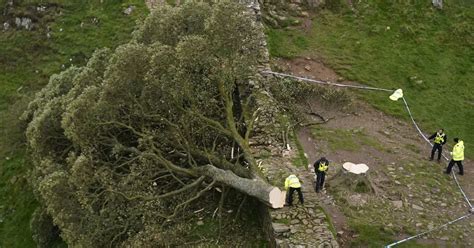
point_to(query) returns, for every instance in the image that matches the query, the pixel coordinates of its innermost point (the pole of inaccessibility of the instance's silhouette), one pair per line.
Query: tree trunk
(346, 178)
(257, 187)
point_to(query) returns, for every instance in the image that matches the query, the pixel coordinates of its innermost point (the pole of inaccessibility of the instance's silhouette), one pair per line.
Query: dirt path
(394, 144)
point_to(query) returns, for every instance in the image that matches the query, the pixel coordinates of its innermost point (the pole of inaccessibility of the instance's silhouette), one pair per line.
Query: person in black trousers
(293, 184)
(320, 168)
(457, 157)
(440, 139)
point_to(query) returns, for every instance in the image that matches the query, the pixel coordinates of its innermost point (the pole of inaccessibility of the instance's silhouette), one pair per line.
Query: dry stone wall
(303, 225)
(282, 13)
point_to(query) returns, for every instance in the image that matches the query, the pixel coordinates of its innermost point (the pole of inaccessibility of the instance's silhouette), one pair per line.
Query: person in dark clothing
(440, 139)
(320, 168)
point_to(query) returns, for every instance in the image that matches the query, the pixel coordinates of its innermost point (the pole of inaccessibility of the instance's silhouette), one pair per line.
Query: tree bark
(256, 187)
(359, 183)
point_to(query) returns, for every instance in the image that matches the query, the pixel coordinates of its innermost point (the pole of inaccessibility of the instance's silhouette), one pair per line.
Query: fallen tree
(127, 142)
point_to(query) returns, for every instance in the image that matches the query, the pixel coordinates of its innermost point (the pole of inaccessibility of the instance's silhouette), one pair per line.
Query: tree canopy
(126, 142)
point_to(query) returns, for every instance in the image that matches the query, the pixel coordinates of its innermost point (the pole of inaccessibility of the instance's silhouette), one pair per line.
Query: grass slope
(27, 59)
(427, 52)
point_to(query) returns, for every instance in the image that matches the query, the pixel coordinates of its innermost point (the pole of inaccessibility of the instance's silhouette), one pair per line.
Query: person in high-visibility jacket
(320, 168)
(293, 184)
(439, 139)
(457, 157)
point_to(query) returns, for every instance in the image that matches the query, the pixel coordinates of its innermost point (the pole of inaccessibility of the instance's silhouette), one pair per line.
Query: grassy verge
(347, 140)
(329, 220)
(301, 160)
(17, 203)
(27, 59)
(427, 52)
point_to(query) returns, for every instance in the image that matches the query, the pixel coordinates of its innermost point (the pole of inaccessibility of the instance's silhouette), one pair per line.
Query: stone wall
(303, 225)
(282, 13)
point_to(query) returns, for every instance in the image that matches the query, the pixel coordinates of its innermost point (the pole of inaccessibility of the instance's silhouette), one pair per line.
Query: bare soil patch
(399, 169)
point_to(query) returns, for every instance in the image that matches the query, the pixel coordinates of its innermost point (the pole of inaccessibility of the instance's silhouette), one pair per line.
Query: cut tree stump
(354, 177)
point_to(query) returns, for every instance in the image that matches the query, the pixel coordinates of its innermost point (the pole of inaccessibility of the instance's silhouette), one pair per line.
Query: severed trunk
(257, 187)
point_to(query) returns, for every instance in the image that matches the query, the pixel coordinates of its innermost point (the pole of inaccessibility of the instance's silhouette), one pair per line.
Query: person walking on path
(293, 184)
(320, 168)
(440, 139)
(457, 157)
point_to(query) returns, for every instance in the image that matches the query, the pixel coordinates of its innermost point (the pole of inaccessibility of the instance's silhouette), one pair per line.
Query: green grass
(16, 203)
(27, 59)
(337, 139)
(301, 160)
(370, 235)
(348, 140)
(395, 45)
(413, 148)
(329, 221)
(283, 221)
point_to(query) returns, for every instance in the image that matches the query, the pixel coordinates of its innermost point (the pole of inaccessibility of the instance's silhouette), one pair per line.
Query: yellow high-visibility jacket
(458, 151)
(293, 182)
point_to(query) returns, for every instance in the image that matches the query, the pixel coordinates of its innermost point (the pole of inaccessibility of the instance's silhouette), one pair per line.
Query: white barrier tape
(326, 82)
(459, 185)
(462, 191)
(426, 232)
(417, 128)
(414, 122)
(379, 89)
(445, 157)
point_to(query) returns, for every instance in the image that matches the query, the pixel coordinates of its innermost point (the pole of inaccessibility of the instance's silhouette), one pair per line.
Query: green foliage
(392, 44)
(43, 229)
(118, 144)
(27, 59)
(291, 91)
(301, 160)
(292, 95)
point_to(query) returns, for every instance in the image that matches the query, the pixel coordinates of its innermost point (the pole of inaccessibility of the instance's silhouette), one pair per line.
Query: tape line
(417, 128)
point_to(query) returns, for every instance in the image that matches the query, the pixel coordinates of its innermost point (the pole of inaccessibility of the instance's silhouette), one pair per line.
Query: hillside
(61, 33)
(42, 39)
(427, 52)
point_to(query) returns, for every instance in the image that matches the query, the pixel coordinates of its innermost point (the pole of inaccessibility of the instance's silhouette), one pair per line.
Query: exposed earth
(411, 193)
